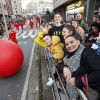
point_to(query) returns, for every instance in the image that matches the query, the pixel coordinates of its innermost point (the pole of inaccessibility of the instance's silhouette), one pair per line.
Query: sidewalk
(37, 89)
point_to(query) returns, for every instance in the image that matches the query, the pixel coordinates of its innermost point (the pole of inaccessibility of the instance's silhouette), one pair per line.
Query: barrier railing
(50, 67)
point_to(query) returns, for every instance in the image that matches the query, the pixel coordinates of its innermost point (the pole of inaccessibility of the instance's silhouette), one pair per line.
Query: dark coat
(90, 65)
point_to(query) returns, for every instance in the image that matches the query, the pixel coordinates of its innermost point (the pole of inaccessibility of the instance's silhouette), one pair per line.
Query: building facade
(9, 8)
(45, 5)
(3, 8)
(70, 8)
(16, 7)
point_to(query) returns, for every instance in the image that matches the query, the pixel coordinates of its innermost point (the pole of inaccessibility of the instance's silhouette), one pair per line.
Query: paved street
(12, 88)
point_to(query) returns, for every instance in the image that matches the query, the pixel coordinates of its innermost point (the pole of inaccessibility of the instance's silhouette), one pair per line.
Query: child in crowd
(12, 36)
(49, 26)
(55, 46)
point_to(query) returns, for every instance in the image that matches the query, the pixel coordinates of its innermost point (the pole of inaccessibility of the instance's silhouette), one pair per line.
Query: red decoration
(11, 58)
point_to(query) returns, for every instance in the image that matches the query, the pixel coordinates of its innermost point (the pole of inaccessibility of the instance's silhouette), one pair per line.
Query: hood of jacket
(55, 40)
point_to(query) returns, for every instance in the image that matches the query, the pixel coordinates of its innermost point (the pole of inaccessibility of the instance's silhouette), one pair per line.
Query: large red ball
(11, 58)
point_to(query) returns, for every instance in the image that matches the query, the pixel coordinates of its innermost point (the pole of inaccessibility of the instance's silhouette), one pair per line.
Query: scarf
(73, 62)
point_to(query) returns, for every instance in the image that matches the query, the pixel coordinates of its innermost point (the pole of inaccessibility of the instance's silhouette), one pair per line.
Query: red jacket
(22, 24)
(31, 23)
(15, 24)
(12, 36)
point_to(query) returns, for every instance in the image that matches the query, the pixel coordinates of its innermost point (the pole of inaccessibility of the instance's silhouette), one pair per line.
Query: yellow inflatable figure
(39, 40)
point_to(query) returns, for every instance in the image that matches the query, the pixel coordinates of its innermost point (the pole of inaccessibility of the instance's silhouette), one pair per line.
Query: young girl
(79, 30)
(55, 46)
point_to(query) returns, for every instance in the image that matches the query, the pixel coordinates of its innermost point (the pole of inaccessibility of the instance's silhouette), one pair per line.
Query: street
(12, 88)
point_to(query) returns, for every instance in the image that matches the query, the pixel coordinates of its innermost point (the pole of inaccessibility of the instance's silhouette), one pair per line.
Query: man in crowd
(58, 27)
(82, 23)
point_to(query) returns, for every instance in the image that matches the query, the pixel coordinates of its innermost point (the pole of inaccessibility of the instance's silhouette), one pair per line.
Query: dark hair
(57, 13)
(95, 24)
(50, 25)
(76, 36)
(42, 25)
(70, 28)
(46, 35)
(76, 22)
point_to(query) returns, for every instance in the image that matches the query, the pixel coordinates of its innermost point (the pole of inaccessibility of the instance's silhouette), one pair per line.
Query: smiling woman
(24, 3)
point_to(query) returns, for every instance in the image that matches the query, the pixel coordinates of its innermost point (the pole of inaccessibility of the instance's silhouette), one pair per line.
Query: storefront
(74, 8)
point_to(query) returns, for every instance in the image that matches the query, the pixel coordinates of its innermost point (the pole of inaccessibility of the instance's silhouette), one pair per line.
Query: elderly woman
(78, 62)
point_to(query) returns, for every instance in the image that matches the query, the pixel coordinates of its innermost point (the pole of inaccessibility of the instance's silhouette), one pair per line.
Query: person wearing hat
(12, 36)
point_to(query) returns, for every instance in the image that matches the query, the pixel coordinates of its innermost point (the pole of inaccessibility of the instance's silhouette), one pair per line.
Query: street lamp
(4, 19)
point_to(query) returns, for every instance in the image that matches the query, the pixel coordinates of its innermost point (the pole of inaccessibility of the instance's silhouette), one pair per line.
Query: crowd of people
(76, 47)
(15, 26)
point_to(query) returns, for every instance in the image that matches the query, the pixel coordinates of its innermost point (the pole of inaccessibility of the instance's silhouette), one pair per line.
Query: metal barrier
(50, 67)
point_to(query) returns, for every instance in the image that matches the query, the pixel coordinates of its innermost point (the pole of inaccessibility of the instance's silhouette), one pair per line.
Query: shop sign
(75, 5)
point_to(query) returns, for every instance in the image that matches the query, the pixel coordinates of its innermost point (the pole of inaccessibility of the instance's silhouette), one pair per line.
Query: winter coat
(12, 36)
(80, 31)
(39, 39)
(56, 48)
(31, 24)
(22, 24)
(83, 25)
(90, 65)
(98, 38)
(92, 34)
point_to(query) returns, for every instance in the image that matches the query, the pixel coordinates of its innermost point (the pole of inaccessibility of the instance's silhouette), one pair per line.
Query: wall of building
(88, 9)
(44, 5)
(57, 3)
(16, 6)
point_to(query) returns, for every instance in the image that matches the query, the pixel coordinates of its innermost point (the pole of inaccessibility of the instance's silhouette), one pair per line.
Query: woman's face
(74, 24)
(47, 40)
(94, 29)
(71, 44)
(66, 32)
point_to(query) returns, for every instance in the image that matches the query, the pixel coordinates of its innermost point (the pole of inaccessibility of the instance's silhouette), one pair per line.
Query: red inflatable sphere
(11, 58)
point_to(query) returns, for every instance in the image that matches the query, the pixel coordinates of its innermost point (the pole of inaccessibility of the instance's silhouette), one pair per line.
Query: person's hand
(67, 73)
(91, 38)
(94, 38)
(71, 81)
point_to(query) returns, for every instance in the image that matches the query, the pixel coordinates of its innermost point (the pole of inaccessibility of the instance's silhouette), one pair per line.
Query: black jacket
(90, 65)
(57, 31)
